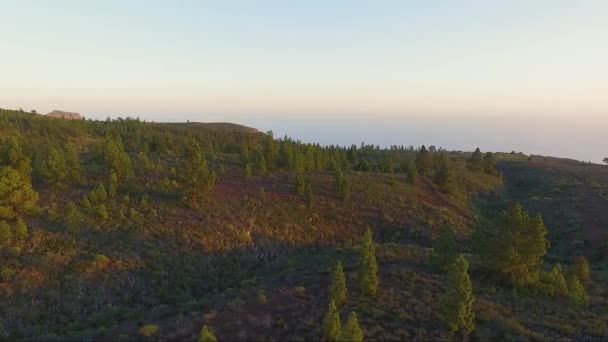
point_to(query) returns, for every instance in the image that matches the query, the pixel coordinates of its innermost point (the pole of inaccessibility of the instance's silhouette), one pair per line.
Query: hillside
(149, 231)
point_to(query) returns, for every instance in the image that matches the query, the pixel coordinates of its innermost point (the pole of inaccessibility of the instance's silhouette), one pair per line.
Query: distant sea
(575, 138)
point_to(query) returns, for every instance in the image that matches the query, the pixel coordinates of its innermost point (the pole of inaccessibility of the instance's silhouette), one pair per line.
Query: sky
(529, 76)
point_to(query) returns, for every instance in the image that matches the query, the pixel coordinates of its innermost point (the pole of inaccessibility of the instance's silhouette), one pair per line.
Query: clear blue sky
(292, 61)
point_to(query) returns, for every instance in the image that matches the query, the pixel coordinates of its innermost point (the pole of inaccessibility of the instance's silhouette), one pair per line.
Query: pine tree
(199, 181)
(351, 332)
(513, 245)
(262, 168)
(21, 231)
(57, 168)
(423, 160)
(368, 267)
(308, 196)
(457, 301)
(207, 335)
(116, 159)
(577, 292)
(262, 193)
(412, 173)
(489, 164)
(16, 194)
(475, 162)
(113, 185)
(11, 154)
(6, 234)
(444, 249)
(343, 185)
(554, 283)
(332, 327)
(338, 291)
(581, 269)
(300, 184)
(248, 173)
(99, 194)
(73, 163)
(72, 218)
(444, 177)
(102, 211)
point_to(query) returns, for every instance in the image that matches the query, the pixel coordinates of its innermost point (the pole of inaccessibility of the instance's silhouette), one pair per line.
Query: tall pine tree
(368, 266)
(457, 301)
(331, 323)
(513, 245)
(351, 331)
(338, 291)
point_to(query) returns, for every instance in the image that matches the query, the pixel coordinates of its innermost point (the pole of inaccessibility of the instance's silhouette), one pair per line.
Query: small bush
(149, 330)
(261, 298)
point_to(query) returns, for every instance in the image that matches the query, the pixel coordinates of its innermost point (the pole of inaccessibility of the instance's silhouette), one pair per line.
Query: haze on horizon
(517, 75)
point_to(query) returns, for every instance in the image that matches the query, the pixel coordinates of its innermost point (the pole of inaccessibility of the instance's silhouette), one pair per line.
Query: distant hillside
(224, 126)
(64, 115)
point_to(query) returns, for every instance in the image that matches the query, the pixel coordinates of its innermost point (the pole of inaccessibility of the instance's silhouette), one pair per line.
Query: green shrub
(261, 297)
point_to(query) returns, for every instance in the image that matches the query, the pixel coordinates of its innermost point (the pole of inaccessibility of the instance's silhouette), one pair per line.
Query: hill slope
(175, 226)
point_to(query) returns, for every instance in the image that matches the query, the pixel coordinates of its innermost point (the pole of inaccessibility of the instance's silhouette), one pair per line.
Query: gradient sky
(288, 65)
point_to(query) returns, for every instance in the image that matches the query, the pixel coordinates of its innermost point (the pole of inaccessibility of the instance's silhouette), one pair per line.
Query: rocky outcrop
(64, 115)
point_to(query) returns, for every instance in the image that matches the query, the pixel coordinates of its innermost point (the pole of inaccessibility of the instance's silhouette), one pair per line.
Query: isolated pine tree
(207, 335)
(351, 332)
(581, 269)
(444, 249)
(331, 323)
(513, 245)
(308, 196)
(457, 302)
(338, 291)
(368, 266)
